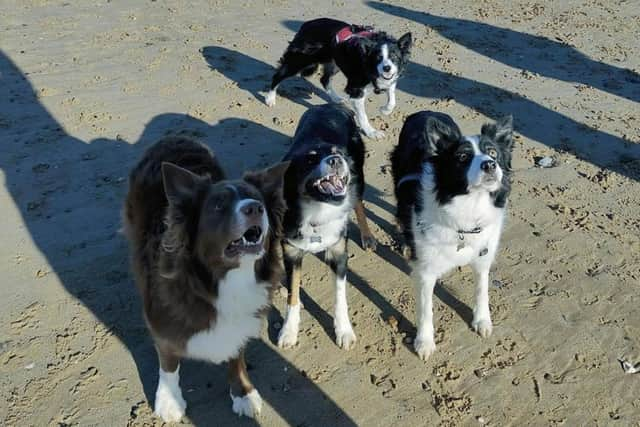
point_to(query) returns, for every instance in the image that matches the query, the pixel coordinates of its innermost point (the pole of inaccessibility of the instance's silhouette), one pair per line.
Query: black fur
(357, 57)
(321, 129)
(435, 138)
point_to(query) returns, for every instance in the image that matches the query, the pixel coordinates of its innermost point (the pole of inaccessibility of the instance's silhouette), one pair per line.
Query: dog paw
(169, 406)
(374, 134)
(288, 337)
(369, 243)
(424, 347)
(248, 405)
(386, 109)
(336, 99)
(270, 98)
(345, 338)
(483, 327)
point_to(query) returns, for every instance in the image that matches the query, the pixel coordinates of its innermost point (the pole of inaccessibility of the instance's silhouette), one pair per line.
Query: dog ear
(404, 43)
(269, 181)
(180, 184)
(501, 131)
(440, 135)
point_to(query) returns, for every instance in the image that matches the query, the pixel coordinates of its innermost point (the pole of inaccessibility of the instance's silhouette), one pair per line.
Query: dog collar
(407, 178)
(475, 230)
(426, 169)
(345, 34)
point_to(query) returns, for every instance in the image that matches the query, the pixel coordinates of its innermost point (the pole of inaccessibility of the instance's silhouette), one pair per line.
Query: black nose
(252, 209)
(488, 166)
(386, 68)
(334, 161)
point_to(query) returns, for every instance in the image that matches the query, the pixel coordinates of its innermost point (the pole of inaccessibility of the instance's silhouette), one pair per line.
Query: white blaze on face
(386, 68)
(476, 177)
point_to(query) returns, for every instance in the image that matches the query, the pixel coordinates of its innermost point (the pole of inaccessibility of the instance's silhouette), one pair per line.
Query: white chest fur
(322, 225)
(239, 298)
(436, 229)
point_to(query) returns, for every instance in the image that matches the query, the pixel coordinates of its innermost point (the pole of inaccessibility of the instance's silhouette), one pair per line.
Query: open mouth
(249, 242)
(331, 185)
(391, 76)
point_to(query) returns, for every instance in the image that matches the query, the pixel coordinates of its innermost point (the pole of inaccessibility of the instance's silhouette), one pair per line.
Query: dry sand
(85, 86)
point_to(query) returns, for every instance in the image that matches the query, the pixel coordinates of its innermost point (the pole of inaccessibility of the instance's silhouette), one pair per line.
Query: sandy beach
(87, 86)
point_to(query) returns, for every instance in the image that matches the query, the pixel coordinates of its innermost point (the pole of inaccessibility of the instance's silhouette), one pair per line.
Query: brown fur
(177, 228)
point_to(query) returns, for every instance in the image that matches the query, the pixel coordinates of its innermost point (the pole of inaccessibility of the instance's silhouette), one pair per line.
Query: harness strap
(345, 34)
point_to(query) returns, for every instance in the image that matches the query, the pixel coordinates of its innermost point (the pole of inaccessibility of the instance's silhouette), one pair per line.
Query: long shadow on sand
(531, 119)
(538, 54)
(254, 76)
(69, 193)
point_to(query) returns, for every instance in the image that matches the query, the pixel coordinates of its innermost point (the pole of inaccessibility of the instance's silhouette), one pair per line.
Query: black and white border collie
(324, 182)
(370, 60)
(452, 193)
(204, 252)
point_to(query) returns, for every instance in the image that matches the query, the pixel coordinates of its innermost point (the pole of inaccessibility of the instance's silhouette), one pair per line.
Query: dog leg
(391, 101)
(246, 399)
(481, 314)
(169, 404)
(329, 70)
(368, 241)
(363, 121)
(288, 336)
(337, 257)
(425, 343)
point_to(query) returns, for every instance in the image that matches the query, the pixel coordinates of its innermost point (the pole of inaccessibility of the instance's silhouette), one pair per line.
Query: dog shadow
(538, 54)
(254, 76)
(533, 120)
(69, 193)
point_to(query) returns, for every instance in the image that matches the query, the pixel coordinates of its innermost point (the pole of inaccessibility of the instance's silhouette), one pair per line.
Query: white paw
(345, 337)
(337, 99)
(482, 326)
(424, 347)
(169, 405)
(248, 405)
(288, 336)
(374, 133)
(270, 98)
(387, 109)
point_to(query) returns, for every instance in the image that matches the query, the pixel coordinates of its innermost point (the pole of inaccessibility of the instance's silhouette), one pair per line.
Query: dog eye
(463, 157)
(492, 152)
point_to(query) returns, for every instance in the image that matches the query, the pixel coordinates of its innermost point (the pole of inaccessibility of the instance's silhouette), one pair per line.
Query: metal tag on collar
(315, 239)
(461, 242)
(484, 251)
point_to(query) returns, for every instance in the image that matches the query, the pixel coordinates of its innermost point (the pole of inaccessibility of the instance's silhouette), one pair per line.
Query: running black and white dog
(370, 60)
(324, 182)
(452, 193)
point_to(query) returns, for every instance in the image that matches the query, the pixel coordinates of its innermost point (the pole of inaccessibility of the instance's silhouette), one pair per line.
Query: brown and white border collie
(203, 251)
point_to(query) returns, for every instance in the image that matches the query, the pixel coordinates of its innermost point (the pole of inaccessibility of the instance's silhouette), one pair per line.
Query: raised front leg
(425, 343)
(288, 336)
(363, 120)
(481, 314)
(368, 241)
(391, 101)
(337, 257)
(357, 95)
(246, 399)
(169, 404)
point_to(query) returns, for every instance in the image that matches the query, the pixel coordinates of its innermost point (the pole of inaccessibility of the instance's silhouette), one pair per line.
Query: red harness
(345, 34)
